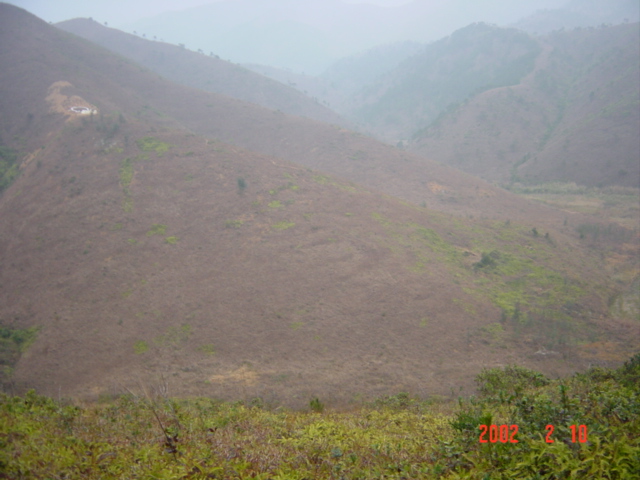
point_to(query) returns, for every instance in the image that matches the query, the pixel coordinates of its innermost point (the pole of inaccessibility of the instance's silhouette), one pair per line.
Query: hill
(338, 83)
(412, 95)
(580, 13)
(203, 71)
(575, 117)
(134, 249)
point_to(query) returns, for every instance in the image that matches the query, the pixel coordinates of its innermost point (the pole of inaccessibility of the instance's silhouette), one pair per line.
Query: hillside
(338, 83)
(202, 70)
(134, 249)
(328, 148)
(575, 118)
(414, 94)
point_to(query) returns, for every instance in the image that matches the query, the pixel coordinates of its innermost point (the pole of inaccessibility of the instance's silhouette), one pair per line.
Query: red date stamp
(507, 433)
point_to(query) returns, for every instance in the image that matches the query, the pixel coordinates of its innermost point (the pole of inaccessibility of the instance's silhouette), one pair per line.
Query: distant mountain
(475, 58)
(336, 86)
(202, 70)
(145, 248)
(581, 13)
(575, 118)
(307, 37)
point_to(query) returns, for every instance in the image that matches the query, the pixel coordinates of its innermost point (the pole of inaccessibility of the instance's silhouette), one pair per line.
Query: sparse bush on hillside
(316, 405)
(8, 167)
(242, 185)
(610, 232)
(488, 260)
(13, 342)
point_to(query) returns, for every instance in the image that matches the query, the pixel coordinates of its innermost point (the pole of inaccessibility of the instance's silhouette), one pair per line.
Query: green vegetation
(157, 229)
(151, 144)
(233, 223)
(517, 272)
(614, 203)
(126, 173)
(242, 184)
(207, 349)
(126, 176)
(605, 402)
(13, 343)
(140, 347)
(8, 167)
(282, 225)
(174, 336)
(586, 426)
(488, 260)
(171, 240)
(275, 204)
(288, 186)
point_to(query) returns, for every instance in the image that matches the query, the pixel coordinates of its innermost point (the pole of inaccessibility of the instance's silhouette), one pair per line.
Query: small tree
(241, 185)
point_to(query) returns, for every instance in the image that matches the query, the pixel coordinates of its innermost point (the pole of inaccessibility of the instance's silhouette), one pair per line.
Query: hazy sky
(125, 11)
(314, 37)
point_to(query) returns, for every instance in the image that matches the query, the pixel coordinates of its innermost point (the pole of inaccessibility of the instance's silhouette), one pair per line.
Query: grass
(207, 349)
(126, 173)
(140, 347)
(284, 225)
(614, 203)
(233, 223)
(174, 336)
(151, 144)
(519, 273)
(157, 229)
(396, 437)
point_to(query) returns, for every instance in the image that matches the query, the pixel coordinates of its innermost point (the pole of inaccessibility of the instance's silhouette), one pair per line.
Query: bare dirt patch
(69, 105)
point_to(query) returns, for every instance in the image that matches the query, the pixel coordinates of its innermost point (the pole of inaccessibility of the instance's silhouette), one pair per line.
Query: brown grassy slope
(303, 141)
(575, 118)
(298, 285)
(201, 71)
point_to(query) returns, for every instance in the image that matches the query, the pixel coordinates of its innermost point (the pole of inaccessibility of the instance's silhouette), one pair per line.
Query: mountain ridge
(206, 72)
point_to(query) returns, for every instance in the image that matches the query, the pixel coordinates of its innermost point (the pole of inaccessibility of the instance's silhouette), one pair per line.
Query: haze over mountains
(206, 72)
(574, 117)
(308, 36)
(229, 250)
(524, 101)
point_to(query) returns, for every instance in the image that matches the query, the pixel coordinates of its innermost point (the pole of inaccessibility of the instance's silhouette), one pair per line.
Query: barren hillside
(145, 252)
